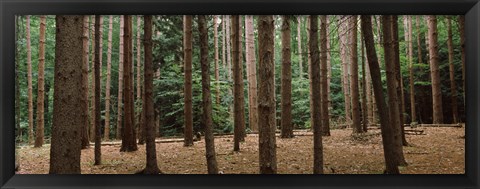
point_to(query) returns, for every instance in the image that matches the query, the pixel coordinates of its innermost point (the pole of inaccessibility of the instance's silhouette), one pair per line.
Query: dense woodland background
(344, 70)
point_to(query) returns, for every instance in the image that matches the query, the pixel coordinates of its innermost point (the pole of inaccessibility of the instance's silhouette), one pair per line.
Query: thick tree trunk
(109, 70)
(239, 108)
(315, 72)
(299, 41)
(399, 78)
(128, 135)
(85, 68)
(251, 73)
(68, 109)
(453, 85)
(30, 88)
(266, 96)
(187, 58)
(356, 125)
(120, 81)
(434, 70)
(98, 126)
(386, 127)
(324, 77)
(286, 122)
(41, 85)
(206, 98)
(217, 72)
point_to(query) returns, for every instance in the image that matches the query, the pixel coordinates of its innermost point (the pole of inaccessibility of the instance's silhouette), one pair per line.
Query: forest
(240, 94)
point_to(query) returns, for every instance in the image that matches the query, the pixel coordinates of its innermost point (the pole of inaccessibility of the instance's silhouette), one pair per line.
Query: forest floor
(440, 150)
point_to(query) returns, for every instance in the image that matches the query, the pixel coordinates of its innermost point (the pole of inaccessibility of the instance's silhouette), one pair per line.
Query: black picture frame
(10, 8)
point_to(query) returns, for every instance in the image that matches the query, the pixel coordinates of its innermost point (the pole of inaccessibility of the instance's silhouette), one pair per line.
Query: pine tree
(286, 118)
(187, 50)
(39, 134)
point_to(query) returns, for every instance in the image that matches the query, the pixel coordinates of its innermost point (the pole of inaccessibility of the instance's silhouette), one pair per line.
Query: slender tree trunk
(434, 70)
(128, 135)
(92, 82)
(239, 107)
(364, 92)
(137, 105)
(120, 81)
(419, 56)
(394, 109)
(309, 57)
(98, 126)
(206, 98)
(343, 31)
(217, 72)
(187, 50)
(286, 118)
(251, 73)
(324, 76)
(315, 72)
(107, 90)
(369, 92)
(139, 50)
(461, 23)
(224, 33)
(399, 78)
(228, 43)
(151, 165)
(356, 125)
(386, 127)
(410, 60)
(101, 57)
(85, 67)
(30, 88)
(329, 71)
(41, 85)
(453, 86)
(68, 118)
(266, 96)
(18, 133)
(299, 41)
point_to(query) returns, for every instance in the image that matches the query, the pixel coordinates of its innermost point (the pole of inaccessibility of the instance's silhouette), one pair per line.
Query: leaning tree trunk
(266, 96)
(324, 77)
(98, 126)
(286, 122)
(30, 88)
(68, 118)
(435, 70)
(251, 73)
(120, 81)
(453, 86)
(187, 58)
(385, 126)
(107, 90)
(356, 125)
(85, 67)
(41, 85)
(239, 107)
(206, 98)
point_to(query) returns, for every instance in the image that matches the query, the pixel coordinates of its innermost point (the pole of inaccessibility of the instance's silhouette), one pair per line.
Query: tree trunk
(98, 126)
(343, 54)
(364, 92)
(138, 111)
(224, 36)
(128, 136)
(315, 72)
(30, 88)
(206, 99)
(85, 67)
(251, 73)
(187, 50)
(434, 70)
(120, 80)
(100, 56)
(299, 41)
(239, 107)
(107, 90)
(266, 96)
(217, 72)
(18, 133)
(324, 76)
(386, 127)
(41, 85)
(92, 83)
(461, 23)
(286, 122)
(228, 43)
(410, 60)
(139, 50)
(329, 71)
(356, 125)
(392, 84)
(453, 86)
(68, 118)
(399, 78)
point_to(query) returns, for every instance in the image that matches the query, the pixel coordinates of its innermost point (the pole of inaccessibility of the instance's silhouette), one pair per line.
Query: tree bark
(299, 41)
(453, 85)
(39, 134)
(92, 82)
(85, 68)
(356, 125)
(364, 92)
(239, 107)
(109, 70)
(68, 118)
(410, 60)
(399, 78)
(434, 70)
(251, 73)
(30, 88)
(120, 80)
(228, 43)
(98, 126)
(266, 96)
(187, 50)
(286, 118)
(217, 72)
(386, 127)
(206, 98)
(139, 50)
(343, 31)
(324, 76)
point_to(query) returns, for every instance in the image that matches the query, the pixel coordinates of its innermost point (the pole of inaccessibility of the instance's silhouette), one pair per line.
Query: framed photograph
(239, 94)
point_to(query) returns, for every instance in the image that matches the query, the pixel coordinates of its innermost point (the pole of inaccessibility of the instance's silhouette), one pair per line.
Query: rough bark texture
(453, 85)
(266, 96)
(329, 72)
(92, 82)
(120, 81)
(217, 71)
(386, 127)
(41, 85)
(324, 76)
(413, 113)
(343, 31)
(128, 136)
(356, 122)
(98, 126)
(435, 70)
(239, 107)
(299, 41)
(85, 141)
(228, 46)
(392, 84)
(139, 65)
(109, 70)
(151, 166)
(364, 92)
(30, 89)
(68, 112)
(251, 73)
(398, 76)
(187, 58)
(286, 118)
(206, 98)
